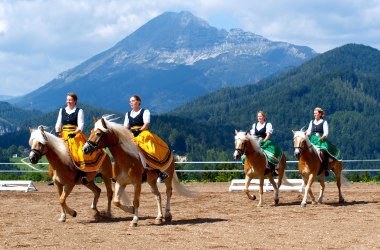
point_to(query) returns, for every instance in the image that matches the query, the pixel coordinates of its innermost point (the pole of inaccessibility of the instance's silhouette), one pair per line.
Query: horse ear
(30, 130)
(293, 131)
(95, 119)
(236, 132)
(246, 132)
(104, 123)
(41, 128)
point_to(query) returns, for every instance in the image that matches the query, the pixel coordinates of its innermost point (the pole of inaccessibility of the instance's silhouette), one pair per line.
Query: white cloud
(40, 39)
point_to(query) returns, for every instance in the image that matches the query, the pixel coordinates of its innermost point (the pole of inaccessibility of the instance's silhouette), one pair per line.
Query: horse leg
(261, 191)
(275, 189)
(63, 193)
(169, 192)
(248, 179)
(136, 204)
(119, 191)
(281, 171)
(108, 184)
(96, 191)
(308, 182)
(63, 212)
(157, 195)
(338, 174)
(321, 178)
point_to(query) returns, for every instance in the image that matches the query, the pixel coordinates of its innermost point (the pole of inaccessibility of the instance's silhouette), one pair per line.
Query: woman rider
(264, 130)
(69, 126)
(318, 131)
(156, 152)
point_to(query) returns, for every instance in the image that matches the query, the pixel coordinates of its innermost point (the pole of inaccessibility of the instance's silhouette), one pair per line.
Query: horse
(309, 164)
(129, 169)
(256, 164)
(64, 173)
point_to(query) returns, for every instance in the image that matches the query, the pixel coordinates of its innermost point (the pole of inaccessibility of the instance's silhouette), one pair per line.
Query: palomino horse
(309, 165)
(255, 165)
(64, 173)
(128, 168)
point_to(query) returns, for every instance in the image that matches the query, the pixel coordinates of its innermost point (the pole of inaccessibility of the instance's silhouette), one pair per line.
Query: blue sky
(40, 39)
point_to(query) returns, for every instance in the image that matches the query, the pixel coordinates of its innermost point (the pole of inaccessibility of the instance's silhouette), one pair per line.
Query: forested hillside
(344, 82)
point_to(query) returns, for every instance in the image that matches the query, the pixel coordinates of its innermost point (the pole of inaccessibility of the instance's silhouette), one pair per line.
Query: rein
(94, 146)
(39, 152)
(301, 149)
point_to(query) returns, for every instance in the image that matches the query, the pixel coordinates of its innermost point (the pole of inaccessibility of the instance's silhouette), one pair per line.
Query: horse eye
(98, 134)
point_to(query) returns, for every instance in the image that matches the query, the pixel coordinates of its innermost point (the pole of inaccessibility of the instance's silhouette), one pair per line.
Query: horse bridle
(241, 150)
(39, 152)
(95, 145)
(301, 146)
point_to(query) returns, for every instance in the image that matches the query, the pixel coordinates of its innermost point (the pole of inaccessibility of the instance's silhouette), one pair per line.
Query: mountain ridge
(172, 59)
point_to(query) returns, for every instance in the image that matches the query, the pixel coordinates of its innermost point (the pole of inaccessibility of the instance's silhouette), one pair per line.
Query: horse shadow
(349, 203)
(332, 203)
(175, 222)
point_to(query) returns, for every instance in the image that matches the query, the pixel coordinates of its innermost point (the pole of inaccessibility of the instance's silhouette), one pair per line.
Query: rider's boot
(161, 176)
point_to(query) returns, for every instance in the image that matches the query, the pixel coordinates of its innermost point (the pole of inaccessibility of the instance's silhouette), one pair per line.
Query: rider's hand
(58, 134)
(261, 142)
(72, 135)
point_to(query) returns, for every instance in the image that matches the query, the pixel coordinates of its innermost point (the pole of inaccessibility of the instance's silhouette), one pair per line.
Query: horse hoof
(303, 204)
(133, 224)
(276, 201)
(342, 201)
(158, 221)
(314, 203)
(168, 218)
(106, 214)
(252, 197)
(75, 214)
(62, 219)
(259, 205)
(98, 216)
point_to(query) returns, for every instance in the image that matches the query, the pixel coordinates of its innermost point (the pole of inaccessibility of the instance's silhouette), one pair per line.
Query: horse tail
(343, 180)
(180, 188)
(284, 181)
(124, 195)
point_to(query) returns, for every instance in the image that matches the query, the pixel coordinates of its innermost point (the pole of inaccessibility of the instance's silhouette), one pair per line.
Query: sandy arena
(216, 219)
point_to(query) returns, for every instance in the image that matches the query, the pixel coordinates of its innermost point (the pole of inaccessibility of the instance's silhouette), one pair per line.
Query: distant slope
(10, 117)
(169, 61)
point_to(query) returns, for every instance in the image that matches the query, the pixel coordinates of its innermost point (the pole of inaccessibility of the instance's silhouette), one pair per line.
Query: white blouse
(146, 116)
(269, 128)
(80, 120)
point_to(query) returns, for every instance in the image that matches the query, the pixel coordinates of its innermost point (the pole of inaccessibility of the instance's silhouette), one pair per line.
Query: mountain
(344, 82)
(169, 61)
(10, 117)
(6, 97)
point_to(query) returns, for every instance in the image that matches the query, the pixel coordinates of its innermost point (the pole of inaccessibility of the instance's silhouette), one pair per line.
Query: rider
(318, 131)
(69, 126)
(156, 152)
(264, 130)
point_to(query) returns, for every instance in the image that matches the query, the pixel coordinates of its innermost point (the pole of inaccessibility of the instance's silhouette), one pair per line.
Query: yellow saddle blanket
(154, 150)
(85, 163)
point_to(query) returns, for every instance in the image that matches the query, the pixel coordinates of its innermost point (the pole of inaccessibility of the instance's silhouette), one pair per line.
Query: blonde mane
(124, 135)
(56, 144)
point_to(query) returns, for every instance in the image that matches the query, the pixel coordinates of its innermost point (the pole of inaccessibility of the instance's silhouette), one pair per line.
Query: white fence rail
(36, 170)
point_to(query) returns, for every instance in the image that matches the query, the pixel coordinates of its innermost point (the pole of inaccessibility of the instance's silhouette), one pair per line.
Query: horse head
(37, 142)
(241, 140)
(299, 142)
(97, 138)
